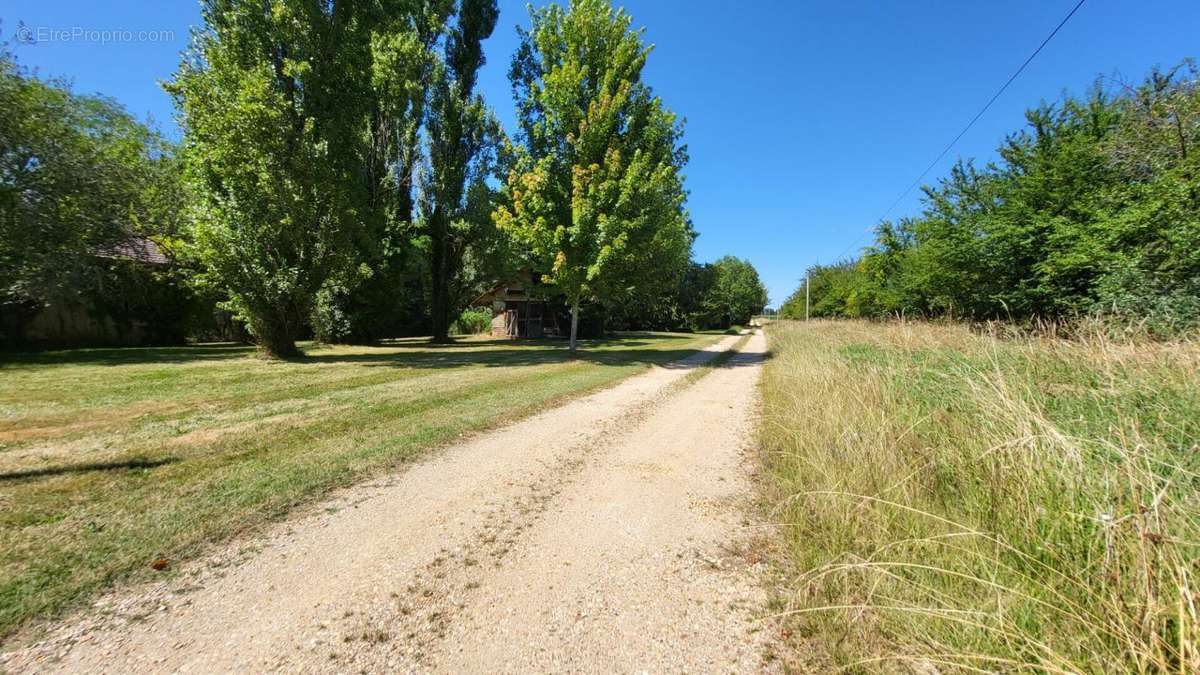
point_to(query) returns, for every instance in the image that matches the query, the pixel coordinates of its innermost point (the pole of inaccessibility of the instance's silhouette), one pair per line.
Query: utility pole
(806, 295)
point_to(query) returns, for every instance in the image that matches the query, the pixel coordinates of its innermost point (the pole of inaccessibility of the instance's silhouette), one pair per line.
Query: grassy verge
(950, 501)
(113, 458)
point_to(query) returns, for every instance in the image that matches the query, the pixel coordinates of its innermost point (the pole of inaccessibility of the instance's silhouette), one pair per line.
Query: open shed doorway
(524, 319)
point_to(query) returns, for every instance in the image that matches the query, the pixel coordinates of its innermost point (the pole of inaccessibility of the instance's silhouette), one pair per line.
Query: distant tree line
(1094, 208)
(720, 294)
(339, 177)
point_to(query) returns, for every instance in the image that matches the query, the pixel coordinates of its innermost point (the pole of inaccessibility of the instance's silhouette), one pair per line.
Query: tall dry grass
(952, 501)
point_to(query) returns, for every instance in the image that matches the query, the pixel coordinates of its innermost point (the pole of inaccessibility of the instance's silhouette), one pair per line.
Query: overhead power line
(970, 124)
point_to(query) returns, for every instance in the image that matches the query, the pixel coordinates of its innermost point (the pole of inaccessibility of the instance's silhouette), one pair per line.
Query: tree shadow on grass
(624, 350)
(623, 338)
(118, 356)
(123, 465)
(617, 350)
(529, 355)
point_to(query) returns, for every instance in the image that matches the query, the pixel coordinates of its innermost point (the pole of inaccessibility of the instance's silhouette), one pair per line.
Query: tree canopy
(595, 192)
(294, 116)
(738, 294)
(463, 138)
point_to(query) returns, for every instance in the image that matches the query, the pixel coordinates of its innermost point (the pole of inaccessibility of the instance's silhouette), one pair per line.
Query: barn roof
(136, 247)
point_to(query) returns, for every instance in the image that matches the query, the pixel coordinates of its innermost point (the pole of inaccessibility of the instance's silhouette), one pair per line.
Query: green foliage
(466, 251)
(677, 308)
(833, 291)
(294, 123)
(385, 298)
(705, 296)
(695, 309)
(384, 293)
(473, 321)
(595, 191)
(80, 177)
(1095, 208)
(738, 294)
(335, 179)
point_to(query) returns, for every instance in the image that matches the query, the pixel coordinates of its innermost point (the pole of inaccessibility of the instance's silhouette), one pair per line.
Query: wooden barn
(520, 309)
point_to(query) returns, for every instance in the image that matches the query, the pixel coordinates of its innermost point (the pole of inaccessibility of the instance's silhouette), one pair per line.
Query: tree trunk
(275, 338)
(439, 310)
(574, 324)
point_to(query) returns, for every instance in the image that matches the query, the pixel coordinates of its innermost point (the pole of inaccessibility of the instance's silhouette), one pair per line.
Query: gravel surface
(609, 534)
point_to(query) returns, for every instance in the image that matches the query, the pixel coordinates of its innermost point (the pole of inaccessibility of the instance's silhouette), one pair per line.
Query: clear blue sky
(805, 120)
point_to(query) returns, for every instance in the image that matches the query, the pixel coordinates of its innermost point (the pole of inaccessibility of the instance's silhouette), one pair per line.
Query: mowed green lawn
(113, 458)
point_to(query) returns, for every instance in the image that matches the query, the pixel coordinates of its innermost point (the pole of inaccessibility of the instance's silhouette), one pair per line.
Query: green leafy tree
(737, 294)
(884, 288)
(831, 292)
(464, 246)
(697, 284)
(79, 177)
(384, 294)
(290, 115)
(595, 191)
(1153, 219)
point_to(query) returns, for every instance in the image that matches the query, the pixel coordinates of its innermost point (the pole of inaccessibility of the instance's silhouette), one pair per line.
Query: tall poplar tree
(595, 191)
(462, 133)
(283, 110)
(383, 295)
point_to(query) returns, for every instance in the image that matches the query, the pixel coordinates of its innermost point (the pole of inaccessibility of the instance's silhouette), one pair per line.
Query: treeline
(1093, 209)
(341, 178)
(720, 294)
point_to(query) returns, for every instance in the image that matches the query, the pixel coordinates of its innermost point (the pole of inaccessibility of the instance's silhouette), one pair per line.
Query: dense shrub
(1093, 209)
(706, 296)
(472, 321)
(387, 302)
